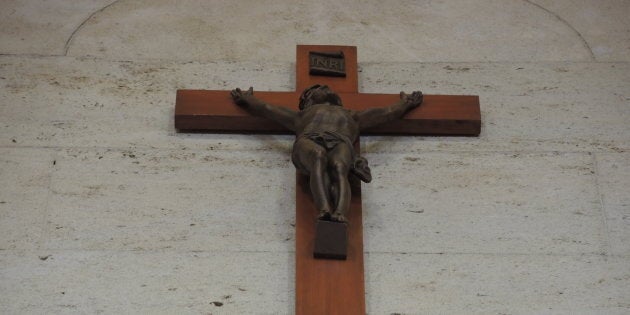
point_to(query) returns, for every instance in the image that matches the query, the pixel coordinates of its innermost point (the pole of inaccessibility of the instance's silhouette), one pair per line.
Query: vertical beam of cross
(325, 286)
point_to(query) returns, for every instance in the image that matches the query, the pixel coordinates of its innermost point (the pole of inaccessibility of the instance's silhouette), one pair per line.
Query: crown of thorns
(306, 95)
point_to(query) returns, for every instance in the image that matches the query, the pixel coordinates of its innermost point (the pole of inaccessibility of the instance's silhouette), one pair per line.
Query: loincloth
(329, 140)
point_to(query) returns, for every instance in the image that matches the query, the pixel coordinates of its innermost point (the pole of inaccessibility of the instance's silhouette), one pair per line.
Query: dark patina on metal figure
(323, 148)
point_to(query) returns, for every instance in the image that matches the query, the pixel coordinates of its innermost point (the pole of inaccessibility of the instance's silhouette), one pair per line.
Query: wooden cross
(327, 286)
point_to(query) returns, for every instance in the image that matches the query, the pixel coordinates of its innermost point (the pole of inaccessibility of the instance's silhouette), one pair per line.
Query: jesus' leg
(330, 197)
(339, 161)
(312, 157)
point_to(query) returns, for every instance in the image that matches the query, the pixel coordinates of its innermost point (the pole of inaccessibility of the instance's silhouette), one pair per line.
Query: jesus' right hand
(240, 97)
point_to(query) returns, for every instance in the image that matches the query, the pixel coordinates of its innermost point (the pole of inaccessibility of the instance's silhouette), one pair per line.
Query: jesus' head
(319, 94)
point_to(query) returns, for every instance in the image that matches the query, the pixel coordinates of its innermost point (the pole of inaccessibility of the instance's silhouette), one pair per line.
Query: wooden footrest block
(331, 240)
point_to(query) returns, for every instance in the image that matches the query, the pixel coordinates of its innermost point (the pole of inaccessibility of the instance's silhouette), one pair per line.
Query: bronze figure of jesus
(323, 148)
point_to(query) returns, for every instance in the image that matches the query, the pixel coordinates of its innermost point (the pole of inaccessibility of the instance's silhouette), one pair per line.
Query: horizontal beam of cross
(214, 111)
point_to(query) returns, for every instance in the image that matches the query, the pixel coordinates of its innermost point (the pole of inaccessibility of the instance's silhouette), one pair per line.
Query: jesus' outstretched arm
(281, 115)
(379, 115)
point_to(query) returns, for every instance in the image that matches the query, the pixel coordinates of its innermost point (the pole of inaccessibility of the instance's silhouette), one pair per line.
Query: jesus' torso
(327, 118)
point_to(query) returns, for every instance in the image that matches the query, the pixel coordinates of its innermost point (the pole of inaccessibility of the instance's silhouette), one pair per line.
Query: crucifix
(328, 286)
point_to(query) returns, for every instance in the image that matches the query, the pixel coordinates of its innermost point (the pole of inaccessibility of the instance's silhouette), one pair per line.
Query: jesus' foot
(338, 217)
(324, 215)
